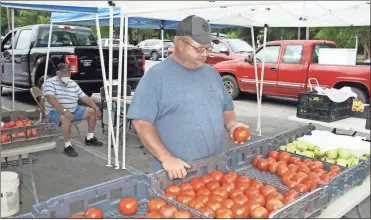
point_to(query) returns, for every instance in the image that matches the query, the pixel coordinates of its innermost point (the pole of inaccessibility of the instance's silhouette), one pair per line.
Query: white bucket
(9, 193)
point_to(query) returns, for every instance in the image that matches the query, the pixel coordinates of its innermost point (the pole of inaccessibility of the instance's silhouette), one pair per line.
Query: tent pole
(125, 90)
(48, 51)
(162, 39)
(256, 73)
(13, 67)
(262, 73)
(307, 33)
(298, 33)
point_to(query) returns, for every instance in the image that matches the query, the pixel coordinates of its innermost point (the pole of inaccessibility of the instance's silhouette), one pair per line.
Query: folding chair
(39, 98)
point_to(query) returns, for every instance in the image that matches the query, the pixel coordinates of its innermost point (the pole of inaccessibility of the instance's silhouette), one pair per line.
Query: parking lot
(57, 174)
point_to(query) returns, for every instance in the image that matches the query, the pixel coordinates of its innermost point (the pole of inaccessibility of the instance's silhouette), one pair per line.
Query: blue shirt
(186, 107)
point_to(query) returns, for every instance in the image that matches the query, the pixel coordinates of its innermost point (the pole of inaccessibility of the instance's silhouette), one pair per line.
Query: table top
(350, 124)
(342, 205)
(28, 149)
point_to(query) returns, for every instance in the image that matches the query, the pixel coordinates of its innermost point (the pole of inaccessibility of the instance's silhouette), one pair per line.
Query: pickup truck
(75, 46)
(227, 49)
(288, 66)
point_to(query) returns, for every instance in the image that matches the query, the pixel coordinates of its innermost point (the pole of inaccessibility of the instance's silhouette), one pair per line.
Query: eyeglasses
(200, 49)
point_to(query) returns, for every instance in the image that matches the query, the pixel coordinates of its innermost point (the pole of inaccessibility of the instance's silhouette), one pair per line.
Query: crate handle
(310, 85)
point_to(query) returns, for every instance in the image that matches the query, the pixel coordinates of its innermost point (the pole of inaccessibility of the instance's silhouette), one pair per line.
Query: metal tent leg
(33, 181)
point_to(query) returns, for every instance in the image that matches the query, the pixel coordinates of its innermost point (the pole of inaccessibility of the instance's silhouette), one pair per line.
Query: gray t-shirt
(186, 107)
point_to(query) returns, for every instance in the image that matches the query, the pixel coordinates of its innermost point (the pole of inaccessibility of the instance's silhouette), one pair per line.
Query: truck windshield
(62, 37)
(239, 46)
(315, 50)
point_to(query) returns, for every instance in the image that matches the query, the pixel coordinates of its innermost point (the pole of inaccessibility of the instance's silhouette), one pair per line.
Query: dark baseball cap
(63, 67)
(196, 28)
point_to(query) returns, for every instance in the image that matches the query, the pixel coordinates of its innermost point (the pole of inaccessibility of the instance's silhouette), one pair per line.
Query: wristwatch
(64, 110)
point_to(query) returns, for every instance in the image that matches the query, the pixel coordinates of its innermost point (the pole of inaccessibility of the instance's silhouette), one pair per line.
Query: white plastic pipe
(256, 74)
(48, 52)
(13, 67)
(125, 91)
(262, 74)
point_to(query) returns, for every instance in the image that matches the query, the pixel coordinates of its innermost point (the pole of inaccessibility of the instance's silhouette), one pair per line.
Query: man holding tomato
(181, 108)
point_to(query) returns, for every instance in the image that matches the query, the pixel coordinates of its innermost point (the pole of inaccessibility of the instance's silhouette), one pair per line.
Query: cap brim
(205, 39)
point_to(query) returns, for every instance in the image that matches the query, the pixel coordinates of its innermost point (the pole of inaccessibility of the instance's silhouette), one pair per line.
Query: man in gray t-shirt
(181, 108)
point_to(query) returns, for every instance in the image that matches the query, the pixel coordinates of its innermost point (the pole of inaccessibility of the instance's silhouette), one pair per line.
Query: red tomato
(240, 199)
(222, 210)
(258, 198)
(206, 178)
(94, 213)
(251, 205)
(239, 211)
(184, 198)
(335, 168)
(262, 165)
(288, 200)
(229, 186)
(221, 192)
(331, 174)
(216, 175)
(197, 183)
(241, 134)
(242, 186)
(281, 162)
(128, 206)
(300, 177)
(182, 214)
(206, 211)
(270, 160)
(307, 161)
(5, 138)
(274, 195)
(167, 211)
(289, 183)
(257, 184)
(294, 160)
(293, 167)
(319, 172)
(190, 192)
(229, 178)
(259, 212)
(284, 156)
(218, 198)
(18, 124)
(11, 124)
(291, 194)
(251, 190)
(33, 133)
(325, 178)
(77, 216)
(214, 205)
(282, 169)
(228, 203)
(273, 167)
(225, 215)
(313, 166)
(196, 204)
(153, 215)
(304, 169)
(185, 186)
(301, 187)
(234, 192)
(213, 184)
(232, 173)
(311, 184)
(243, 180)
(273, 204)
(265, 190)
(255, 160)
(174, 189)
(203, 192)
(273, 154)
(155, 204)
(203, 198)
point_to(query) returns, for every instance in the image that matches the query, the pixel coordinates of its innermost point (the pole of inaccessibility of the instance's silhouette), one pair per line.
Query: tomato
(26, 123)
(313, 176)
(229, 178)
(197, 183)
(21, 134)
(274, 195)
(218, 198)
(18, 124)
(153, 215)
(325, 178)
(331, 174)
(307, 161)
(304, 169)
(257, 184)
(273, 204)
(222, 210)
(335, 168)
(95, 213)
(185, 186)
(271, 160)
(293, 168)
(225, 215)
(240, 199)
(290, 183)
(213, 184)
(189, 192)
(182, 214)
(155, 204)
(174, 189)
(259, 212)
(319, 172)
(216, 175)
(206, 178)
(228, 186)
(311, 184)
(5, 138)
(265, 190)
(170, 195)
(282, 169)
(239, 211)
(287, 200)
(241, 134)
(262, 165)
(301, 187)
(77, 216)
(203, 192)
(284, 156)
(11, 124)
(128, 206)
(255, 160)
(273, 167)
(167, 211)
(258, 198)
(242, 186)
(33, 133)
(274, 154)
(251, 205)
(196, 204)
(251, 191)
(228, 203)
(203, 198)
(207, 211)
(300, 177)
(281, 162)
(232, 173)
(221, 192)
(233, 193)
(313, 166)
(294, 160)
(184, 198)
(291, 194)
(243, 180)
(214, 205)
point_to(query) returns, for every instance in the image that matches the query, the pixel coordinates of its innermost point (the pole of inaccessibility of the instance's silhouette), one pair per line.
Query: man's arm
(89, 102)
(230, 120)
(53, 102)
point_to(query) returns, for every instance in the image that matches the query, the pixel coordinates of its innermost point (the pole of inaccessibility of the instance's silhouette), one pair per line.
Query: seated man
(62, 95)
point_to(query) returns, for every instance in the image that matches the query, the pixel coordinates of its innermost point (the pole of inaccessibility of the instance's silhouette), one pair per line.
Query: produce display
(5, 138)
(229, 195)
(301, 175)
(340, 156)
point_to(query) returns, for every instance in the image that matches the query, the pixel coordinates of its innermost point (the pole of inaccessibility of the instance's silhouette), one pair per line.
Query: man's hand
(234, 126)
(68, 115)
(175, 167)
(97, 113)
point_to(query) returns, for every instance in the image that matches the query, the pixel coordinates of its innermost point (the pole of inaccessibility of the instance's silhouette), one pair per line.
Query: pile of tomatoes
(5, 138)
(229, 195)
(304, 176)
(93, 213)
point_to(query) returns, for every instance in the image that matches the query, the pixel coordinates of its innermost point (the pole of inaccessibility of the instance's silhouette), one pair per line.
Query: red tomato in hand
(241, 134)
(335, 168)
(128, 206)
(259, 212)
(94, 213)
(155, 204)
(273, 154)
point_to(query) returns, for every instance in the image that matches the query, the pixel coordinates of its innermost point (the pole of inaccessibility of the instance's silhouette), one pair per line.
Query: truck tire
(154, 56)
(230, 84)
(361, 95)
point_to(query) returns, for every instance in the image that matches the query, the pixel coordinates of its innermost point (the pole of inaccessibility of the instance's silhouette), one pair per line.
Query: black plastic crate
(368, 126)
(320, 108)
(363, 114)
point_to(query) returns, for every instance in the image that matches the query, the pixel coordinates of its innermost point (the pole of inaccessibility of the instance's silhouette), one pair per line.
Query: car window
(239, 46)
(217, 47)
(66, 37)
(315, 50)
(271, 51)
(24, 40)
(293, 53)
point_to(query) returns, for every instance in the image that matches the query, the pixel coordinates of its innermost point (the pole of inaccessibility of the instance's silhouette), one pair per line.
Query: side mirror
(249, 58)
(224, 50)
(7, 47)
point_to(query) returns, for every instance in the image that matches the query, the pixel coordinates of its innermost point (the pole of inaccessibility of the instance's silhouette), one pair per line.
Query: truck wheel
(154, 56)
(230, 84)
(361, 96)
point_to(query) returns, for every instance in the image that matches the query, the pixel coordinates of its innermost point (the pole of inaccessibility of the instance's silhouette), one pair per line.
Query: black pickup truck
(73, 45)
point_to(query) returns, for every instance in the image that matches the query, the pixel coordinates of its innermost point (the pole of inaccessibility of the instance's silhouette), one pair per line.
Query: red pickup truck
(288, 66)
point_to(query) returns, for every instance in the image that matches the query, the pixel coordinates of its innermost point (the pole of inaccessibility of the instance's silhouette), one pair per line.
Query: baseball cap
(196, 28)
(63, 67)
